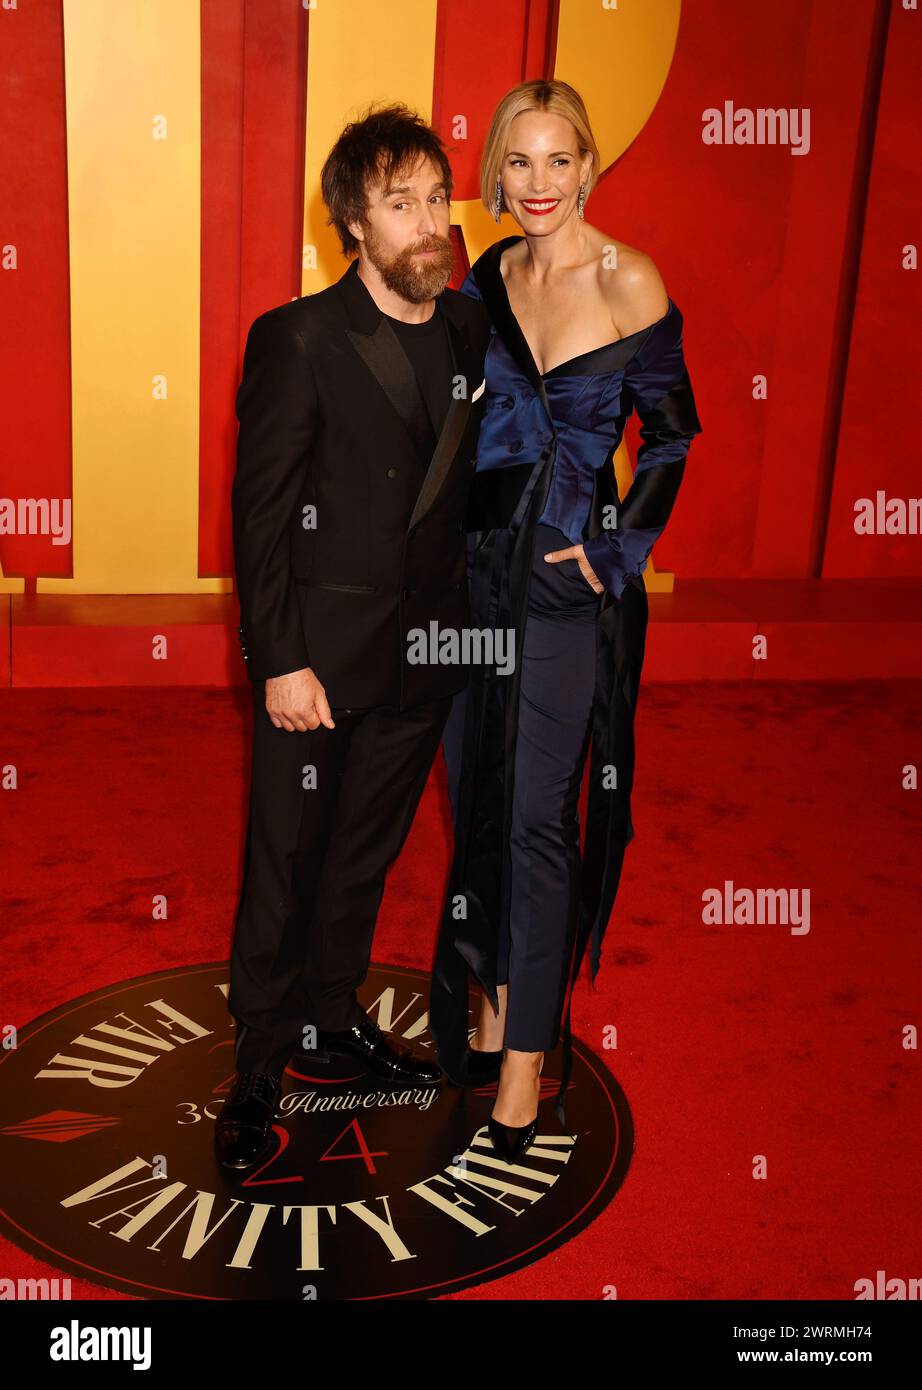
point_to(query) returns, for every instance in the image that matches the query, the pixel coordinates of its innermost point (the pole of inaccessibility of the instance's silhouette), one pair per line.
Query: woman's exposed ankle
(519, 1088)
(481, 1043)
(492, 1026)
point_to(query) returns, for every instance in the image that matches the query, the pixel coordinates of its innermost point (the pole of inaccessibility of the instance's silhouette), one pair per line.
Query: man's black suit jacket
(348, 530)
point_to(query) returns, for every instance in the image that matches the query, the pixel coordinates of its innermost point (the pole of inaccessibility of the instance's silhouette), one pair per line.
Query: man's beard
(414, 280)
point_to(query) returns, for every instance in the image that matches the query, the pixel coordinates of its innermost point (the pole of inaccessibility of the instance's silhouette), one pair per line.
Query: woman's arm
(656, 384)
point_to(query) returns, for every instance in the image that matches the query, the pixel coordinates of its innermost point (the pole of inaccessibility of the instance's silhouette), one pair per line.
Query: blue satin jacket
(591, 398)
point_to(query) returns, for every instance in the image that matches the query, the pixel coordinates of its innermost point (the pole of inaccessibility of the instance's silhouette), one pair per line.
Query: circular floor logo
(373, 1191)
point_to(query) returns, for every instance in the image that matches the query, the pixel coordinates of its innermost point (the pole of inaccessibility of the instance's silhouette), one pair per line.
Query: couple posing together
(410, 454)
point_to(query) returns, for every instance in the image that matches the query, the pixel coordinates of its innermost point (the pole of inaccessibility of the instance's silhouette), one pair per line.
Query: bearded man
(359, 412)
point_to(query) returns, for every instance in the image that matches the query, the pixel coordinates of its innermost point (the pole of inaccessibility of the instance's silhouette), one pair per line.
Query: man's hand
(576, 552)
(297, 702)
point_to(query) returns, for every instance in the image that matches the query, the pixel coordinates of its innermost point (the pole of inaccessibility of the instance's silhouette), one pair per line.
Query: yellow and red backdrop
(160, 176)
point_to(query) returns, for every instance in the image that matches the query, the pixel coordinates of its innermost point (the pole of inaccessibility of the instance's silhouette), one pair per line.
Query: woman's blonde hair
(558, 98)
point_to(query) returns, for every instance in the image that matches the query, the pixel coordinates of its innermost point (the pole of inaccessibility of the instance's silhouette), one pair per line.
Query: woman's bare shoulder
(633, 287)
(514, 257)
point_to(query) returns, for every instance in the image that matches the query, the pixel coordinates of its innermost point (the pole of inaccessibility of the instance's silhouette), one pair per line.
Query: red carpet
(733, 1041)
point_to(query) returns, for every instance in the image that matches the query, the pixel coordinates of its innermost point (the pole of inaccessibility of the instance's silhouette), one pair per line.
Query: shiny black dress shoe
(367, 1044)
(510, 1141)
(243, 1130)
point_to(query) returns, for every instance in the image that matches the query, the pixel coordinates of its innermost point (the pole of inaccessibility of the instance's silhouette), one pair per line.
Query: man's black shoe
(366, 1042)
(243, 1130)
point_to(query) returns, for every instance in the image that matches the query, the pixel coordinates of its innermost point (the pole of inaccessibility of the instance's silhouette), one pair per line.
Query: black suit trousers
(329, 811)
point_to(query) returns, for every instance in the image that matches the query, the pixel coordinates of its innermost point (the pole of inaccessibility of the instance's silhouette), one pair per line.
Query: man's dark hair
(383, 143)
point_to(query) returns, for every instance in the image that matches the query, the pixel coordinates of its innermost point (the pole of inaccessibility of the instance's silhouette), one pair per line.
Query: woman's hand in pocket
(576, 552)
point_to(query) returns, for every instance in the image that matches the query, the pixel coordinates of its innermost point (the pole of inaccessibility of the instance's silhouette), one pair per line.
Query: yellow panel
(11, 586)
(618, 60)
(133, 73)
(358, 53)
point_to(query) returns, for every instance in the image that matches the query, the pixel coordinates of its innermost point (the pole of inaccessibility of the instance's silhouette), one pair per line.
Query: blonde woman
(583, 333)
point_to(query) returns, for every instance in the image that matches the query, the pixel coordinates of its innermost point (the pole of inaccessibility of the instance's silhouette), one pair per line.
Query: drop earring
(581, 201)
(498, 200)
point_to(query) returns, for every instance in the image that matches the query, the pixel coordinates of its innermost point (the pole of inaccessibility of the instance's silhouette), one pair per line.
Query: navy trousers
(535, 934)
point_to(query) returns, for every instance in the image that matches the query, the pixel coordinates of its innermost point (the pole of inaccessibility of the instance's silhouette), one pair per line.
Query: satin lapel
(492, 286)
(377, 344)
(389, 363)
(453, 426)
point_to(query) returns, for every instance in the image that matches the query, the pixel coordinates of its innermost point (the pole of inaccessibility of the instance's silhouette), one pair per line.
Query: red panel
(470, 75)
(35, 382)
(816, 630)
(751, 241)
(274, 77)
(879, 435)
(108, 639)
(818, 246)
(254, 64)
(726, 225)
(6, 665)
